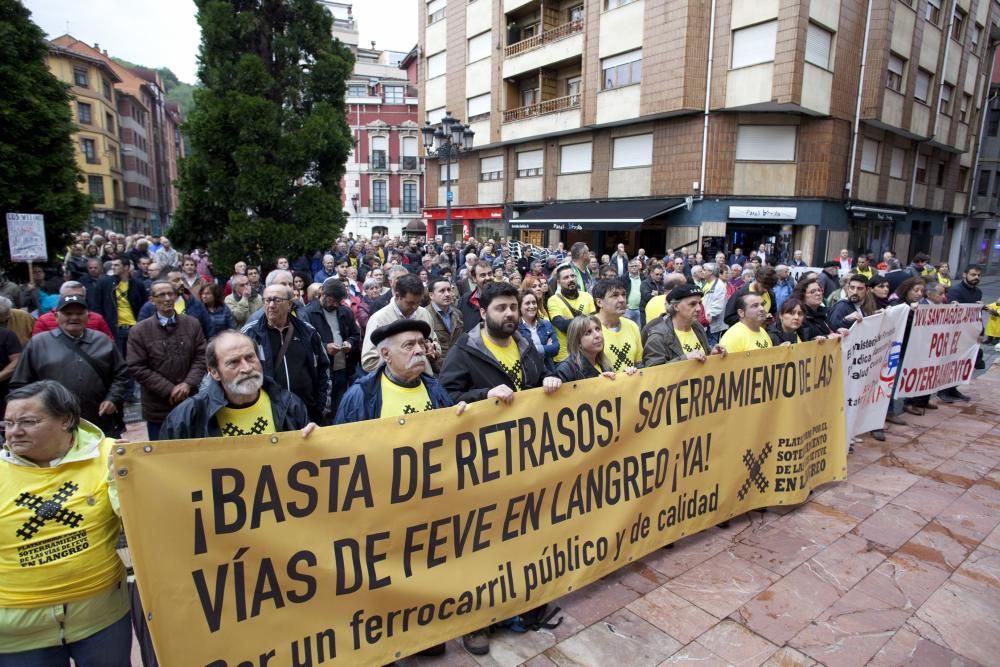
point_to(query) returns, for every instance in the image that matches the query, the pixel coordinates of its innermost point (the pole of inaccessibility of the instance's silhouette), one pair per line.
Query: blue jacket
(547, 334)
(192, 307)
(363, 400)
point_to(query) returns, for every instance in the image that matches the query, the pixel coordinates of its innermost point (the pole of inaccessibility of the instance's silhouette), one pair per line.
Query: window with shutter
(409, 159)
(634, 151)
(479, 47)
(436, 64)
(755, 44)
(479, 107)
(897, 161)
(818, 46)
(894, 79)
(869, 155)
(922, 88)
(766, 143)
(436, 10)
(575, 158)
(529, 163)
(491, 168)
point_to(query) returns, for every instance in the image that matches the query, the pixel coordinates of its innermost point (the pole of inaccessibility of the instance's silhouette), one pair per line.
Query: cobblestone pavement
(899, 564)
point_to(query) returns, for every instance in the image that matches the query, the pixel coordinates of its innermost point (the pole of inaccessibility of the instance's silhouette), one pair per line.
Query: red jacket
(47, 322)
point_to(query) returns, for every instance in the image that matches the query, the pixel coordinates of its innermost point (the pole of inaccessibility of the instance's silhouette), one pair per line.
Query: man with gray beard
(239, 399)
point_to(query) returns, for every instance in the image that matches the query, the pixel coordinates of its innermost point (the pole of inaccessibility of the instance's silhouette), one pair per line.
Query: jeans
(339, 383)
(635, 315)
(110, 647)
(153, 429)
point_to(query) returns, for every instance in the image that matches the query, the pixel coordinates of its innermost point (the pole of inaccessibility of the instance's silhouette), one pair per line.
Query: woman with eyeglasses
(63, 594)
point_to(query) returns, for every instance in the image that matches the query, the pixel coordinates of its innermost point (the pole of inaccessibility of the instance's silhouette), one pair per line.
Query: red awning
(465, 213)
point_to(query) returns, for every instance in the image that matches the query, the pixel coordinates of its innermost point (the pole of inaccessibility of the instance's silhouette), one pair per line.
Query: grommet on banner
(149, 616)
(120, 451)
(569, 588)
(147, 449)
(122, 472)
(274, 439)
(402, 421)
(398, 654)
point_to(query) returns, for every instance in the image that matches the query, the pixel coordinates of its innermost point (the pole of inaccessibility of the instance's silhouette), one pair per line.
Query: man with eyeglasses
(340, 335)
(166, 355)
(291, 351)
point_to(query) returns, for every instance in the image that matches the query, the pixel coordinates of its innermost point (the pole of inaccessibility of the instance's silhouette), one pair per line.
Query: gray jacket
(662, 345)
(714, 303)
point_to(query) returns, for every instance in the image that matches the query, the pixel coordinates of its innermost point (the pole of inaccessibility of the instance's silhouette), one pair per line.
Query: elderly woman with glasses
(62, 586)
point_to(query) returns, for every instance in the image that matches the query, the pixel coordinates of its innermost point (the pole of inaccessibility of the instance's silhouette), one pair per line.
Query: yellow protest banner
(371, 541)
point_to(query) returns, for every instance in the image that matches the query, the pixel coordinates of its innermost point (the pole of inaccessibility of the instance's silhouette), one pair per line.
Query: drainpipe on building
(708, 96)
(857, 108)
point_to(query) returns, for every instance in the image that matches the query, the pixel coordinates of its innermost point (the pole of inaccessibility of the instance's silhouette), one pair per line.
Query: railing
(553, 35)
(542, 108)
(379, 161)
(408, 162)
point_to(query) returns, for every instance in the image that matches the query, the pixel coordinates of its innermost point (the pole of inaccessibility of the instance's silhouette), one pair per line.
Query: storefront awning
(616, 215)
(465, 213)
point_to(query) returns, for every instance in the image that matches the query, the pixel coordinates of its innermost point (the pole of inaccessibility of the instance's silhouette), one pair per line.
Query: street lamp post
(446, 141)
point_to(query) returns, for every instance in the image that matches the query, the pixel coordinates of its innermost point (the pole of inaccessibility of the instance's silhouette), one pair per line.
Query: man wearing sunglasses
(291, 351)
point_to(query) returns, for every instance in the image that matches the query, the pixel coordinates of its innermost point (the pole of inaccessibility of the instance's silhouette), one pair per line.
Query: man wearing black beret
(398, 385)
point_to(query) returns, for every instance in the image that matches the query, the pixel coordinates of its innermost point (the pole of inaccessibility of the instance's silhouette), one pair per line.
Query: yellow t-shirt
(397, 400)
(126, 318)
(509, 359)
(59, 532)
(867, 273)
(656, 307)
(738, 338)
(689, 341)
(583, 304)
(623, 347)
(256, 419)
(180, 305)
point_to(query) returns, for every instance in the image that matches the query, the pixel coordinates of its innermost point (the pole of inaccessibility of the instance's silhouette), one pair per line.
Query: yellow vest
(58, 527)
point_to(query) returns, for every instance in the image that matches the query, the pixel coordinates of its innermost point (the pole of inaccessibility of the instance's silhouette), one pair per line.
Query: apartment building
(141, 135)
(95, 113)
(709, 125)
(982, 244)
(383, 181)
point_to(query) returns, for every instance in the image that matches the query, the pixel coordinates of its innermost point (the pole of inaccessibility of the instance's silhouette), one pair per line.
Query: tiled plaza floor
(898, 565)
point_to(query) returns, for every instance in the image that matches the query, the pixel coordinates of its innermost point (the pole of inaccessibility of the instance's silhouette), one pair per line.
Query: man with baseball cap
(398, 385)
(679, 335)
(84, 361)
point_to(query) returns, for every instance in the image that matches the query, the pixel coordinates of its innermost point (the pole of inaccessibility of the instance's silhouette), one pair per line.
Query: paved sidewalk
(898, 565)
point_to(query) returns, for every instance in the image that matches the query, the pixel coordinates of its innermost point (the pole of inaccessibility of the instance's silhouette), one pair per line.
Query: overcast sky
(164, 33)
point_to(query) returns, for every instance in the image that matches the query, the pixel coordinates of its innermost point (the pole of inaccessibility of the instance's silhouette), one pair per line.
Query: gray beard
(244, 387)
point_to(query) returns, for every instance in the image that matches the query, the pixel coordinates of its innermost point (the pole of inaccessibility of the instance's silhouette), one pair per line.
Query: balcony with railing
(553, 35)
(542, 108)
(379, 161)
(408, 163)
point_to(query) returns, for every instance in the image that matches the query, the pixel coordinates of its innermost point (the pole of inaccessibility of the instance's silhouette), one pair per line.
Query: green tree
(268, 133)
(38, 171)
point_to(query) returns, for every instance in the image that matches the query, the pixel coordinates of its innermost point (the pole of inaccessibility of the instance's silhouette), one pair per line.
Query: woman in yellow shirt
(62, 586)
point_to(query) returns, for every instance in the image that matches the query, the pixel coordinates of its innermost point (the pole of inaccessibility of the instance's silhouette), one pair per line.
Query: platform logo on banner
(871, 361)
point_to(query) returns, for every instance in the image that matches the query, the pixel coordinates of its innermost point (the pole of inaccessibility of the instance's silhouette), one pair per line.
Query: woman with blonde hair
(585, 345)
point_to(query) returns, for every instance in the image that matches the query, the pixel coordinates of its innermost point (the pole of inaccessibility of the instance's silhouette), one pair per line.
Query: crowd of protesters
(379, 327)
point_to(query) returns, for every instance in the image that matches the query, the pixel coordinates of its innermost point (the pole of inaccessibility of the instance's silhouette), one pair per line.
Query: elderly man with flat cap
(398, 385)
(678, 335)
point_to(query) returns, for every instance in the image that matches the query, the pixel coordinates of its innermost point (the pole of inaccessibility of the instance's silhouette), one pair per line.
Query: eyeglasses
(164, 294)
(27, 424)
(276, 299)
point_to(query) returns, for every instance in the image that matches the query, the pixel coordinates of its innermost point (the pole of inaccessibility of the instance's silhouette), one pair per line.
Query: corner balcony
(545, 117)
(560, 43)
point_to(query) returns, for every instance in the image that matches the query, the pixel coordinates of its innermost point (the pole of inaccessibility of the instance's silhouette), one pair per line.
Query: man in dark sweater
(966, 291)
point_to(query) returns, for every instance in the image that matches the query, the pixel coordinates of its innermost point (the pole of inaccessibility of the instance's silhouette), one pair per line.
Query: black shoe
(980, 364)
(960, 396)
(878, 434)
(477, 642)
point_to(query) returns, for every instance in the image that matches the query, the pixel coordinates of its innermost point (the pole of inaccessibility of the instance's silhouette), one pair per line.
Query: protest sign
(26, 235)
(370, 541)
(942, 348)
(871, 360)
